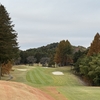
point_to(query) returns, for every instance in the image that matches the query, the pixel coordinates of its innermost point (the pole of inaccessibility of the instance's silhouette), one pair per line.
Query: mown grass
(81, 92)
(68, 84)
(44, 77)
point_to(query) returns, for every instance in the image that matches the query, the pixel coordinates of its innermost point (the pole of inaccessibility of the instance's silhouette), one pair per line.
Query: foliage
(95, 46)
(39, 53)
(78, 48)
(45, 51)
(31, 60)
(8, 38)
(63, 53)
(89, 67)
(17, 61)
(6, 68)
(23, 55)
(77, 55)
(44, 61)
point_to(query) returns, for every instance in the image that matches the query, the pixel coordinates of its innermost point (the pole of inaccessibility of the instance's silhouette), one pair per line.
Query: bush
(89, 67)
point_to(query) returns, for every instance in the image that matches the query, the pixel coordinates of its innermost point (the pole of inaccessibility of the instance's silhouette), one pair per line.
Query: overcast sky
(41, 22)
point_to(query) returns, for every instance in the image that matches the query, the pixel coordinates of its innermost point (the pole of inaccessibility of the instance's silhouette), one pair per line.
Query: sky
(42, 22)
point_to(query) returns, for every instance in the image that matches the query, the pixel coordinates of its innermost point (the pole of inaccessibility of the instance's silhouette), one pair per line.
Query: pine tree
(95, 46)
(8, 38)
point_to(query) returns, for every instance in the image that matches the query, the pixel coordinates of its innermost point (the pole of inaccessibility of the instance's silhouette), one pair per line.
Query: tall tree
(8, 38)
(95, 46)
(63, 53)
(59, 55)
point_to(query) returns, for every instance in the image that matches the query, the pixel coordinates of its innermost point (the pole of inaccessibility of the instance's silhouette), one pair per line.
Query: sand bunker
(22, 69)
(57, 73)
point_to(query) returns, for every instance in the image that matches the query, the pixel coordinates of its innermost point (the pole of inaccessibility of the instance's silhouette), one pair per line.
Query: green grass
(44, 77)
(68, 84)
(81, 92)
(37, 76)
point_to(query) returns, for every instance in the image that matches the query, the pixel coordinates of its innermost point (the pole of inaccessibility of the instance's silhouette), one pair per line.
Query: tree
(44, 61)
(95, 46)
(77, 55)
(59, 52)
(63, 53)
(31, 60)
(8, 38)
(17, 61)
(90, 69)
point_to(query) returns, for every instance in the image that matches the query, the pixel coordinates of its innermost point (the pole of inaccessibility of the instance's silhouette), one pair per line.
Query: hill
(44, 51)
(20, 91)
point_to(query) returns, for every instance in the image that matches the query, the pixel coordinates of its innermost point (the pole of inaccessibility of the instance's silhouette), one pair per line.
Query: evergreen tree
(89, 68)
(77, 55)
(95, 46)
(8, 38)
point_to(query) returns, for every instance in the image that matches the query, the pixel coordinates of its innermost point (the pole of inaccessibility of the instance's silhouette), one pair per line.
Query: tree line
(52, 53)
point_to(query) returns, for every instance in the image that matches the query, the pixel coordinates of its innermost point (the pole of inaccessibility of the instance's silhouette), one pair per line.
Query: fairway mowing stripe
(46, 78)
(31, 77)
(61, 80)
(43, 77)
(58, 80)
(38, 76)
(37, 81)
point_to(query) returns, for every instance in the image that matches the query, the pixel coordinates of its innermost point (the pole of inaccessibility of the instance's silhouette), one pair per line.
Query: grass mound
(20, 91)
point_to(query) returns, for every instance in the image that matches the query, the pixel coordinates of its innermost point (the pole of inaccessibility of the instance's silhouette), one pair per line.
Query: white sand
(22, 69)
(45, 67)
(57, 73)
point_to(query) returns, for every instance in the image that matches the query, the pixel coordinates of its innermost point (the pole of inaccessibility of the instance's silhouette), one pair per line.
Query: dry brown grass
(20, 91)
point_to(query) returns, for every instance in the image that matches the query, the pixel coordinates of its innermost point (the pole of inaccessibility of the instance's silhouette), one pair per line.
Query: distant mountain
(53, 46)
(77, 48)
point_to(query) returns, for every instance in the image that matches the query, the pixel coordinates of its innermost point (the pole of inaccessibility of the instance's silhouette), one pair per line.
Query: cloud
(40, 22)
